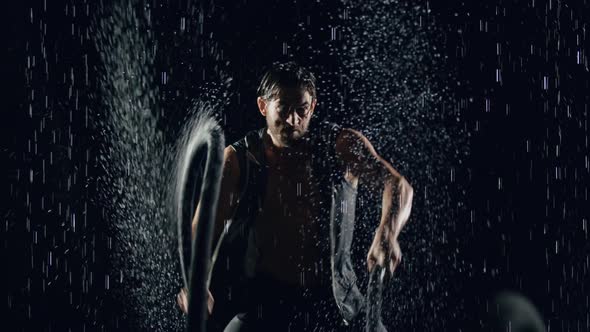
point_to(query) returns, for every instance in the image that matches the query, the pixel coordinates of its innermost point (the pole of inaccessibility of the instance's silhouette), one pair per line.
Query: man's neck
(278, 152)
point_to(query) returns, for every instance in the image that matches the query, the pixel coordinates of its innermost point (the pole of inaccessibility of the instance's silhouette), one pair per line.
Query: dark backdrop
(506, 209)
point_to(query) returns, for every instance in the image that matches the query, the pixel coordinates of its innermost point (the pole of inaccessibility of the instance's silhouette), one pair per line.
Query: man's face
(288, 115)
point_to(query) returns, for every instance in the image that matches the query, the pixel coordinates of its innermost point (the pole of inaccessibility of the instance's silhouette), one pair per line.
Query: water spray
(204, 137)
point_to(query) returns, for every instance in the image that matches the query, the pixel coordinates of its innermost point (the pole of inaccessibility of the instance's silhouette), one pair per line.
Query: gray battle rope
(204, 134)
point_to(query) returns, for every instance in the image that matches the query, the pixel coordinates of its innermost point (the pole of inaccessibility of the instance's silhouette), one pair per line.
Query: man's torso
(287, 229)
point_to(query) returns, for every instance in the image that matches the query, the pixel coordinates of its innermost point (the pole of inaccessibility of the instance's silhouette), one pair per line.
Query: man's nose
(293, 119)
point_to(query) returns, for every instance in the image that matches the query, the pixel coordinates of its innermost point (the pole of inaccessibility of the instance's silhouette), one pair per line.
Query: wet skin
(287, 227)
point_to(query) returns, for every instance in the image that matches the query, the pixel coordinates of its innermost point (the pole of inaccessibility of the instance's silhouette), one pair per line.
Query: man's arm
(362, 161)
(228, 197)
(228, 194)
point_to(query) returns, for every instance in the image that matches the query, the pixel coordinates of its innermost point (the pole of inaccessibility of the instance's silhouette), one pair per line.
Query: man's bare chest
(291, 190)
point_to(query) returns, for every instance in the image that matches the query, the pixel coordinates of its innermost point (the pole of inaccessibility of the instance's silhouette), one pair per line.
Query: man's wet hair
(285, 75)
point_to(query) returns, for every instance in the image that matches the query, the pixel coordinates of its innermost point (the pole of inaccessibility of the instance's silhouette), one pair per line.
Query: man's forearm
(397, 204)
(217, 227)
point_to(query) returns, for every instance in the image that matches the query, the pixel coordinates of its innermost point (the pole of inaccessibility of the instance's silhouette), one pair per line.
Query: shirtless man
(292, 279)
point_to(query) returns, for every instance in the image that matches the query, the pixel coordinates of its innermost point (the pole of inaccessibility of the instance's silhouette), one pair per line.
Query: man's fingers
(395, 258)
(181, 300)
(393, 264)
(210, 301)
(370, 263)
(375, 259)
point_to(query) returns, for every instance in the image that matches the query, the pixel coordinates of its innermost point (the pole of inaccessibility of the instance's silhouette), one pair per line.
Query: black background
(517, 208)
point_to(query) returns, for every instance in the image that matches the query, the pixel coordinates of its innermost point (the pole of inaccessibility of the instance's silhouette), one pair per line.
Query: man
(286, 213)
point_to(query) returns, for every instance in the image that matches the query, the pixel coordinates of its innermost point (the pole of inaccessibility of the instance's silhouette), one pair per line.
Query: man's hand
(385, 250)
(182, 300)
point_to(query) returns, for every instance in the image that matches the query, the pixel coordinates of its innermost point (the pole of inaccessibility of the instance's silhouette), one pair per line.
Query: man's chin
(290, 140)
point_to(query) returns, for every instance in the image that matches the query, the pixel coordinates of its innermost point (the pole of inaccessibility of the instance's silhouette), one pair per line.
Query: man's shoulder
(250, 135)
(251, 140)
(249, 147)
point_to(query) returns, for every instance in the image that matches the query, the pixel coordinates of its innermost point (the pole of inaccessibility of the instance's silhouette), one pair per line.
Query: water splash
(136, 160)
